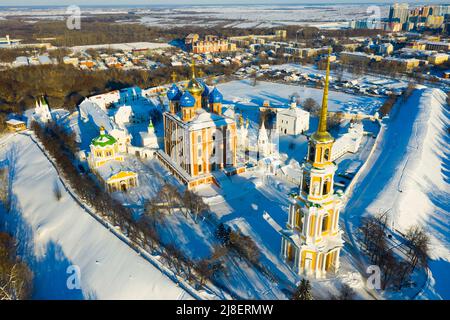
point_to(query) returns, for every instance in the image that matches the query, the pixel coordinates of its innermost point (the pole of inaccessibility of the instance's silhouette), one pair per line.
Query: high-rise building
(399, 12)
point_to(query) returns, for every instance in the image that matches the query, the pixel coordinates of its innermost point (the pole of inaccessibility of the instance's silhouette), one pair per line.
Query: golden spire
(322, 133)
(174, 76)
(194, 86)
(193, 68)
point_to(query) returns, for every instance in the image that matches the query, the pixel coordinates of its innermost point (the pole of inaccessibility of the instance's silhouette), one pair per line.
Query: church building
(198, 138)
(109, 165)
(312, 240)
(293, 120)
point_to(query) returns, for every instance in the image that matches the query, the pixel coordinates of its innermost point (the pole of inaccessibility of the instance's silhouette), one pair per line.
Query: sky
(193, 2)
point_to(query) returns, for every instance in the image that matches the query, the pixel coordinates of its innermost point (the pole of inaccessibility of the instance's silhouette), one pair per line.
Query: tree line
(143, 232)
(65, 86)
(397, 262)
(16, 279)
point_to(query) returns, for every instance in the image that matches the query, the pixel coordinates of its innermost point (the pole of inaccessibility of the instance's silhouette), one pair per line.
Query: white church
(293, 120)
(42, 111)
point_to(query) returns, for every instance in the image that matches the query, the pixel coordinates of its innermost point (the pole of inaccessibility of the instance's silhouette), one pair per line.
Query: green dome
(103, 139)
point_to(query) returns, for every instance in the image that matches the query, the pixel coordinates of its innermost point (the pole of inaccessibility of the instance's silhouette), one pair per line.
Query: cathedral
(312, 240)
(198, 138)
(106, 161)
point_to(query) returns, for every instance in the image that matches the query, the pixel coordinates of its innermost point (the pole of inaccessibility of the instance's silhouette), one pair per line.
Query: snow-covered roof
(205, 119)
(92, 112)
(293, 112)
(111, 168)
(103, 139)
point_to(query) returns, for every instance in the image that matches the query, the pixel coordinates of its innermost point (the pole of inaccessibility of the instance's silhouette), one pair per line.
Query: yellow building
(109, 165)
(438, 58)
(312, 241)
(198, 138)
(14, 125)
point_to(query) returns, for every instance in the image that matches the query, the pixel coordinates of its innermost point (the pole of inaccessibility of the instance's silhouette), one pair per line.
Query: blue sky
(191, 2)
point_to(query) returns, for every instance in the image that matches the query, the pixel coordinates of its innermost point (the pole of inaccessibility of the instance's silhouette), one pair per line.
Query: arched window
(326, 187)
(326, 156)
(325, 222)
(298, 219)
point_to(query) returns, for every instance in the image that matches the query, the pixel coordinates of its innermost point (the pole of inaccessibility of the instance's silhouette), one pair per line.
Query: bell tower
(312, 241)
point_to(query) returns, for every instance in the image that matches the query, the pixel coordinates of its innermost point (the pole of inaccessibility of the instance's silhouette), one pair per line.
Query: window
(327, 154)
(298, 219)
(199, 153)
(312, 153)
(325, 222)
(326, 187)
(306, 183)
(199, 139)
(199, 168)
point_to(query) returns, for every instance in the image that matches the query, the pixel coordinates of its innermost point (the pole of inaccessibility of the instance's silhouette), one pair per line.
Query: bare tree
(303, 291)
(311, 106)
(346, 292)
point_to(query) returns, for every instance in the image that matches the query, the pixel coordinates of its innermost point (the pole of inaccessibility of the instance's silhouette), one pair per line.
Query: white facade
(149, 138)
(242, 133)
(42, 111)
(349, 142)
(265, 146)
(292, 121)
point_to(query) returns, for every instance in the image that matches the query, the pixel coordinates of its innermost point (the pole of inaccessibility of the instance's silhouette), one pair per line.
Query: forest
(65, 86)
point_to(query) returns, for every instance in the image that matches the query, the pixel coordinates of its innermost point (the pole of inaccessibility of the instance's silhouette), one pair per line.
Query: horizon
(168, 3)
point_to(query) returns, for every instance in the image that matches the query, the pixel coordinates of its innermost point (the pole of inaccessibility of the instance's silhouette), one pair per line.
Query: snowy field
(409, 177)
(260, 16)
(245, 96)
(366, 80)
(55, 234)
(235, 16)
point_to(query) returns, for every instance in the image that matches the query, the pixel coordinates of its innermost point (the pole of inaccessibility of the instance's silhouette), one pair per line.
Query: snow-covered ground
(244, 95)
(261, 16)
(55, 235)
(409, 177)
(123, 46)
(236, 15)
(384, 82)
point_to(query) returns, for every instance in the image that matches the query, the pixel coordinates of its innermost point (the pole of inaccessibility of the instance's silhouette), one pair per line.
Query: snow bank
(409, 179)
(61, 234)
(419, 190)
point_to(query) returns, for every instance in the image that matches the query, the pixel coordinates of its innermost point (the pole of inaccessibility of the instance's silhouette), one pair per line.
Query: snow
(124, 46)
(409, 178)
(244, 95)
(57, 234)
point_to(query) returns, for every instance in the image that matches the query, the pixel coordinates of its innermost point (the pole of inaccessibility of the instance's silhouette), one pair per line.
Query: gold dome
(322, 136)
(194, 86)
